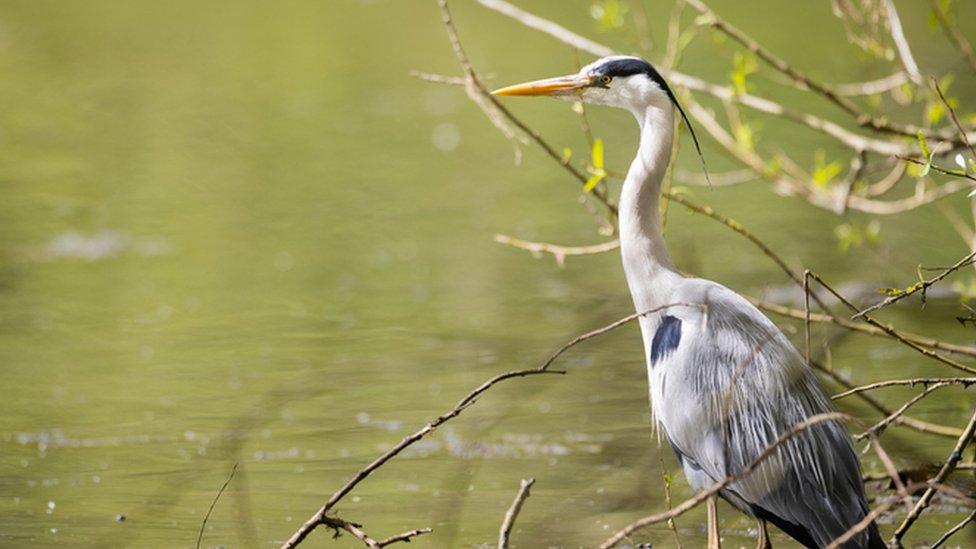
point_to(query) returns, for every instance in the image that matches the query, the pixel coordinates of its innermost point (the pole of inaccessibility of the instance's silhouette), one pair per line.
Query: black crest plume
(629, 66)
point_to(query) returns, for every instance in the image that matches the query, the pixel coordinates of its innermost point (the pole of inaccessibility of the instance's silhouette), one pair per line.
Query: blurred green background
(241, 232)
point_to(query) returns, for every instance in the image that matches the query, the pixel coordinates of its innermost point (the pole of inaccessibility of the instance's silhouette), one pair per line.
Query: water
(242, 233)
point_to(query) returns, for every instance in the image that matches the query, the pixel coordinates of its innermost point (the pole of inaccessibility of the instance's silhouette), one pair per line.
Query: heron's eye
(605, 79)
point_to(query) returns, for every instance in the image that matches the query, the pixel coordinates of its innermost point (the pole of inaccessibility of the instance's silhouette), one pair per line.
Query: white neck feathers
(649, 269)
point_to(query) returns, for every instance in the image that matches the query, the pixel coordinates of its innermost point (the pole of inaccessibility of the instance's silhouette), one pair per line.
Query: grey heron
(724, 381)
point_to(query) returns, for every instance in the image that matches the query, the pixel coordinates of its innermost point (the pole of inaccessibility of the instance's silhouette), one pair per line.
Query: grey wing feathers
(752, 386)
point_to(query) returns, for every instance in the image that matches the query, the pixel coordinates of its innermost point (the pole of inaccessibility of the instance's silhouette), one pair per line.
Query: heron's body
(725, 383)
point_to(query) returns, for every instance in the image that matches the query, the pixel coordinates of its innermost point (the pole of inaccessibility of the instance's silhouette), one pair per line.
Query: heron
(725, 383)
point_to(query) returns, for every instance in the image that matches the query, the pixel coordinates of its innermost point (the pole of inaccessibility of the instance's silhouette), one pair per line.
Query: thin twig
(954, 457)
(203, 525)
(808, 192)
(558, 252)
(945, 537)
(901, 43)
(954, 35)
(478, 93)
(936, 168)
(404, 537)
(872, 87)
(547, 27)
(798, 314)
(877, 428)
(506, 529)
(964, 381)
(910, 422)
(804, 81)
(894, 333)
(921, 286)
(892, 472)
(954, 117)
(439, 78)
(831, 200)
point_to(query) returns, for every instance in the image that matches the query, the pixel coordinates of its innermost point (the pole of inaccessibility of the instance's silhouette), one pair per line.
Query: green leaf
(924, 145)
(824, 173)
(745, 137)
(925, 169)
(946, 81)
(597, 154)
(926, 153)
(934, 112)
(743, 66)
(593, 181)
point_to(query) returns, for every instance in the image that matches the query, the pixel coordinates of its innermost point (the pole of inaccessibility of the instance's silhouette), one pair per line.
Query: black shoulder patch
(666, 338)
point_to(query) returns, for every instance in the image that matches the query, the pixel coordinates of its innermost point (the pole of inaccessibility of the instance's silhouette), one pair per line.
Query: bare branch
(921, 286)
(798, 314)
(964, 381)
(872, 87)
(892, 472)
(910, 422)
(901, 43)
(203, 525)
(885, 184)
(548, 27)
(945, 537)
(405, 537)
(513, 511)
(894, 333)
(954, 35)
(944, 171)
(691, 82)
(557, 251)
(876, 429)
(803, 81)
(498, 113)
(439, 78)
(770, 107)
(950, 464)
(954, 117)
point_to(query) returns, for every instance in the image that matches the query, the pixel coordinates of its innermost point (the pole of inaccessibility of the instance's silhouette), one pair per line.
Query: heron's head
(618, 81)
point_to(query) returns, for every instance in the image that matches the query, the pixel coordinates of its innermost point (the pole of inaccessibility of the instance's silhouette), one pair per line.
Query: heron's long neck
(649, 269)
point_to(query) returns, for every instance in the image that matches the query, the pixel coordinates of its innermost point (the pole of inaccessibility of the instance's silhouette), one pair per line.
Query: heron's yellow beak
(561, 85)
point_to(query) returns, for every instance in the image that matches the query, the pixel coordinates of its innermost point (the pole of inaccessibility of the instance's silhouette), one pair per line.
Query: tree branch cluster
(877, 144)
